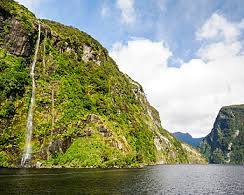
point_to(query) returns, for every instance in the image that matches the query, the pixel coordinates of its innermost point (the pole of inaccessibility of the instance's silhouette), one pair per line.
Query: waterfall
(28, 149)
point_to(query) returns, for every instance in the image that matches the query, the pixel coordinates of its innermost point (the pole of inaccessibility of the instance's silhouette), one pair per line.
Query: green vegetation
(87, 113)
(22, 14)
(225, 143)
(14, 78)
(14, 75)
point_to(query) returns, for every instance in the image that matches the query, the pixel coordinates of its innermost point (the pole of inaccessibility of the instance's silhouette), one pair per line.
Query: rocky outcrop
(89, 55)
(15, 38)
(225, 143)
(16, 41)
(60, 145)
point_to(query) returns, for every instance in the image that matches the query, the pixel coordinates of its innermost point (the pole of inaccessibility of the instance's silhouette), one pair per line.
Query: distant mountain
(225, 143)
(187, 138)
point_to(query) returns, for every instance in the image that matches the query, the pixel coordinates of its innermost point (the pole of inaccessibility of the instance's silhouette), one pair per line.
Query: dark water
(161, 179)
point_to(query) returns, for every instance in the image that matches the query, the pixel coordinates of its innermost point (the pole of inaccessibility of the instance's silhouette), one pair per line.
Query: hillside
(187, 138)
(64, 102)
(225, 143)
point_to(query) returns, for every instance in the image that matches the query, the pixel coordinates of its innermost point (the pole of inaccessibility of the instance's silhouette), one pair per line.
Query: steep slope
(86, 112)
(187, 138)
(225, 143)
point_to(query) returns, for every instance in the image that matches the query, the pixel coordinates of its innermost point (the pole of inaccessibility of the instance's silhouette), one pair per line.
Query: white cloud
(219, 50)
(128, 15)
(141, 58)
(188, 98)
(218, 27)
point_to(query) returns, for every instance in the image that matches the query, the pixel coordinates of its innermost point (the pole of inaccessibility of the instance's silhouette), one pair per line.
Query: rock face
(15, 39)
(187, 138)
(87, 113)
(225, 143)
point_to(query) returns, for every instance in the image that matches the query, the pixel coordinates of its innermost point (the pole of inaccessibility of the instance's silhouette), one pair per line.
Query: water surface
(161, 179)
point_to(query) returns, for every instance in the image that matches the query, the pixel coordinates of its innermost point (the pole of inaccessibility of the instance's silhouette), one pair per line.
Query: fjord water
(161, 179)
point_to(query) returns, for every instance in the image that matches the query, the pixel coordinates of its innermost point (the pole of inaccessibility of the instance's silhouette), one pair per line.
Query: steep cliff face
(225, 143)
(86, 112)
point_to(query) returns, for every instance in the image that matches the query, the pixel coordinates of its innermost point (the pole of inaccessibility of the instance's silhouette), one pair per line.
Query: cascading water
(28, 149)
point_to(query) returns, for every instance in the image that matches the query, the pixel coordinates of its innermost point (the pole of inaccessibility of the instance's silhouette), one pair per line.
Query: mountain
(64, 102)
(225, 143)
(187, 138)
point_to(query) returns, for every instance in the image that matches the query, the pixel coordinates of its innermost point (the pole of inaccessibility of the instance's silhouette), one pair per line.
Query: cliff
(64, 102)
(225, 143)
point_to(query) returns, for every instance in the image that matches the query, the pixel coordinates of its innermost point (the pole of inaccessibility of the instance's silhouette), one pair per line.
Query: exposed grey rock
(92, 118)
(104, 131)
(87, 132)
(17, 41)
(89, 55)
(60, 145)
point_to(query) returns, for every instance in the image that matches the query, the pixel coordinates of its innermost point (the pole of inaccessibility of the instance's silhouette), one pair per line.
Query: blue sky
(174, 21)
(187, 54)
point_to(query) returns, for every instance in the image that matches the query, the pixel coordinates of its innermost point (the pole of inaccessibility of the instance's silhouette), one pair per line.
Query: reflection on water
(161, 179)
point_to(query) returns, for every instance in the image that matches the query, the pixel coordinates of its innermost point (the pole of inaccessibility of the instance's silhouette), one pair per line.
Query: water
(28, 148)
(161, 179)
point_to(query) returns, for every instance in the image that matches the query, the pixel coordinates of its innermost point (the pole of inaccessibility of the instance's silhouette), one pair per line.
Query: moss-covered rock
(87, 113)
(225, 143)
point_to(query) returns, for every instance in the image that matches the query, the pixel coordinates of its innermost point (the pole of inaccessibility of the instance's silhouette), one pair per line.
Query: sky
(188, 55)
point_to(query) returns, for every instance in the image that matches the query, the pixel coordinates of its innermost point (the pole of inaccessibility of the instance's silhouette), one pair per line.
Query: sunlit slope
(86, 114)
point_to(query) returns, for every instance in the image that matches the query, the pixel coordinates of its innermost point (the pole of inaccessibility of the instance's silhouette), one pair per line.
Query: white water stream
(28, 149)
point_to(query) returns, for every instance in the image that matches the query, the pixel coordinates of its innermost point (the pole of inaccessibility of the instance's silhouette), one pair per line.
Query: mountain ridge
(187, 138)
